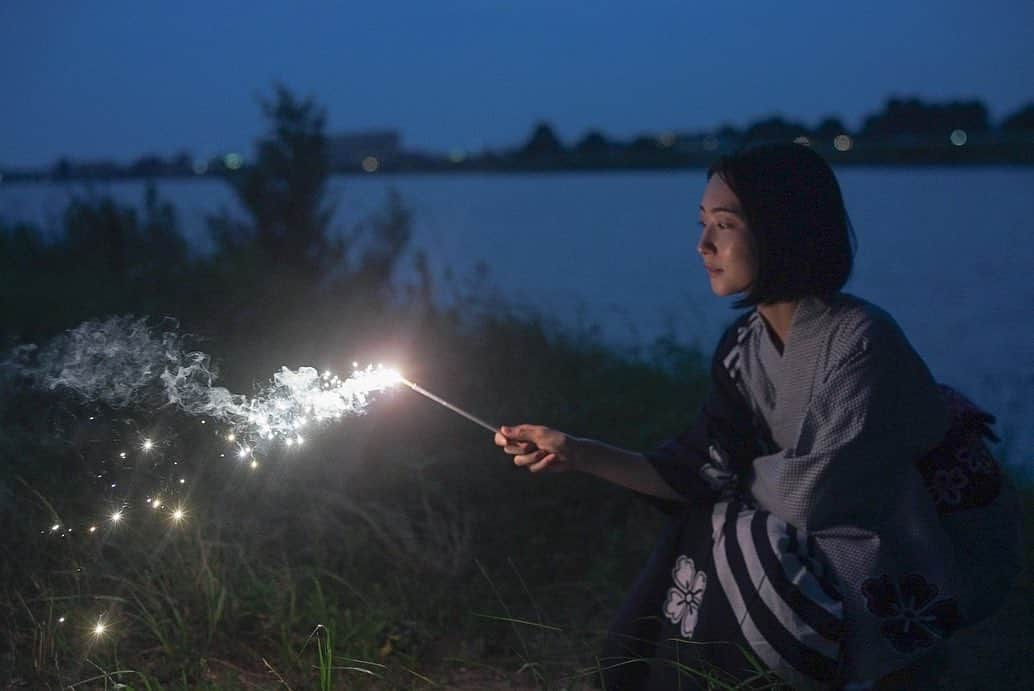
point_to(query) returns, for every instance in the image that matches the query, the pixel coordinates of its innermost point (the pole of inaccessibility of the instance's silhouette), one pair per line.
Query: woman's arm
(540, 448)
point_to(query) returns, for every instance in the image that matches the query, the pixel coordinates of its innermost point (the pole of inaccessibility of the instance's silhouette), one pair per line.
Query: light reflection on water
(948, 252)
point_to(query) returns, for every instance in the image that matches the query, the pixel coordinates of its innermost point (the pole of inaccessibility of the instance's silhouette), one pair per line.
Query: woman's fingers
(543, 464)
(530, 458)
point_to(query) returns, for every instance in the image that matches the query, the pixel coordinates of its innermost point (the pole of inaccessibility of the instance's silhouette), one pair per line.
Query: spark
(122, 454)
(179, 514)
(254, 464)
(60, 620)
(100, 628)
(116, 517)
(147, 445)
(156, 503)
(244, 452)
(231, 437)
(93, 529)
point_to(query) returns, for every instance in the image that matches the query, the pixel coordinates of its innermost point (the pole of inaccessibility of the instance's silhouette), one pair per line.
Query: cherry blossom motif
(975, 456)
(913, 617)
(683, 604)
(947, 486)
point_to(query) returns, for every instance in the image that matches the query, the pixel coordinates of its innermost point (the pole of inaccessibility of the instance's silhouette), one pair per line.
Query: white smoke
(123, 362)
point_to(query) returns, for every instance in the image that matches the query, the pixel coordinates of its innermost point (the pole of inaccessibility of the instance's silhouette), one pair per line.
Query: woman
(807, 537)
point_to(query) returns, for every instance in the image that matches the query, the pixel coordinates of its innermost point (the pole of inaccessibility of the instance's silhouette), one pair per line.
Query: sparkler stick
(459, 411)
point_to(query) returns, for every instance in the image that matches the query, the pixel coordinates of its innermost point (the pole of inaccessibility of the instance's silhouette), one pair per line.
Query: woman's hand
(537, 448)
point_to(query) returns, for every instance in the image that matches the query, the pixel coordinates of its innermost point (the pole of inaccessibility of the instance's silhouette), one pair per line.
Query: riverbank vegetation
(397, 549)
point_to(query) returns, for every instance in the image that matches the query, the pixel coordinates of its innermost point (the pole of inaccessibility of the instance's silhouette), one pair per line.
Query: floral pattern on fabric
(960, 473)
(682, 606)
(914, 618)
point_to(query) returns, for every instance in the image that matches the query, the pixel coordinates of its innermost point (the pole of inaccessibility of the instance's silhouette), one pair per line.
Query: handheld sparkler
(456, 409)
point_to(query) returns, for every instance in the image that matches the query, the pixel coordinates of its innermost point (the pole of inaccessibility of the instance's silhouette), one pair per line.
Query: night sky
(120, 79)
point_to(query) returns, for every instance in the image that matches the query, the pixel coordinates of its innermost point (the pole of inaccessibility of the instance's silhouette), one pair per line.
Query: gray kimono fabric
(849, 405)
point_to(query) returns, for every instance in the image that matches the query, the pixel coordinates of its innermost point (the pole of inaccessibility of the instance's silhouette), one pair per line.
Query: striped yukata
(842, 514)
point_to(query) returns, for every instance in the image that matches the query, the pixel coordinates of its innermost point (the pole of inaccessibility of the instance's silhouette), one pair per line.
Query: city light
(371, 164)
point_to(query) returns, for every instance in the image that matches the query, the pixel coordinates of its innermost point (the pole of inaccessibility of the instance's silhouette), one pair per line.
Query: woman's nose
(705, 245)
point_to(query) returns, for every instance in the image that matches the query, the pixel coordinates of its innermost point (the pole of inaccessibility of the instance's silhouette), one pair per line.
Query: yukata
(817, 539)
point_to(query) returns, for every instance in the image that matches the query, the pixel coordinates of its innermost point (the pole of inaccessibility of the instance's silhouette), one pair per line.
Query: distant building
(349, 151)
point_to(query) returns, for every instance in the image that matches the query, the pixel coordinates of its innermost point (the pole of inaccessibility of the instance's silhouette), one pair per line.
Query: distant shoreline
(1021, 157)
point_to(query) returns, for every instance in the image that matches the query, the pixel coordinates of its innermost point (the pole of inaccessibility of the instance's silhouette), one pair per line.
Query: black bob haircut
(796, 215)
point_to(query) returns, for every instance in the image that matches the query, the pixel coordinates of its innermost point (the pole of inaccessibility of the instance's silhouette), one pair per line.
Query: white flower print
(683, 604)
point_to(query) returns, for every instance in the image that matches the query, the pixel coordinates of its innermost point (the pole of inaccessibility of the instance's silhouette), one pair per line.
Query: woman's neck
(778, 317)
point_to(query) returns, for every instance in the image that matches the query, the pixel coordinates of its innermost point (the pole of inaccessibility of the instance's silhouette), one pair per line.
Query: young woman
(812, 499)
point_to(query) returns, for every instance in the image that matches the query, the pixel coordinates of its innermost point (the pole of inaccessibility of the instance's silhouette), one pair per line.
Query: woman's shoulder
(858, 323)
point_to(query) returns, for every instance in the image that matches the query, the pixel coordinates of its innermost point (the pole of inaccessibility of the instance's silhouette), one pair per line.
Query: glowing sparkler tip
(116, 517)
(93, 529)
(54, 528)
(147, 445)
(254, 465)
(60, 620)
(244, 452)
(156, 503)
(100, 628)
(179, 514)
(231, 437)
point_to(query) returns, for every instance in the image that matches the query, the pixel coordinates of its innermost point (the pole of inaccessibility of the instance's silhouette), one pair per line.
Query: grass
(401, 550)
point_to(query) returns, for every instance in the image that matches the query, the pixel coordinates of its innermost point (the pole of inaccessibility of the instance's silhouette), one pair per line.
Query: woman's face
(725, 243)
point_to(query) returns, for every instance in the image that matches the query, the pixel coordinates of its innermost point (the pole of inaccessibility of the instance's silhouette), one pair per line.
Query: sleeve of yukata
(701, 461)
(873, 411)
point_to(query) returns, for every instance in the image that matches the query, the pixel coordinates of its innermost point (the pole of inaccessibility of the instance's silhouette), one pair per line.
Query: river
(948, 251)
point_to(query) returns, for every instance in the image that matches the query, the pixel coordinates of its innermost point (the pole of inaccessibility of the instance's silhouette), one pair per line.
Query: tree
(593, 144)
(774, 128)
(284, 189)
(542, 143)
(829, 128)
(1020, 121)
(914, 117)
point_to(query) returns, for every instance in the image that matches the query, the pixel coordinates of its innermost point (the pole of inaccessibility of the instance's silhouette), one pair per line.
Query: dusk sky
(111, 79)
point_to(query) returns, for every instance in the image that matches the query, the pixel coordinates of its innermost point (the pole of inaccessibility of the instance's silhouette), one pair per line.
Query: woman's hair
(795, 212)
